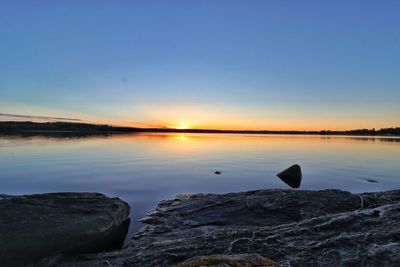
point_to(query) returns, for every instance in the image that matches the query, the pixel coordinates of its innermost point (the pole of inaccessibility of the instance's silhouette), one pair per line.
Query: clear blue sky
(220, 64)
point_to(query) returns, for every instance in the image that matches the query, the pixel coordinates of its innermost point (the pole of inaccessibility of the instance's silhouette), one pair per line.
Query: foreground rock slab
(285, 227)
(44, 225)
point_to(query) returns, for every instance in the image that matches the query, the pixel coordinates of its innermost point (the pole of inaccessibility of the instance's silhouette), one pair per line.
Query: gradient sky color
(225, 64)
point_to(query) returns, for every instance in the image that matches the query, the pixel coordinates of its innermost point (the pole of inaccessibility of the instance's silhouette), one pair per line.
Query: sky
(220, 64)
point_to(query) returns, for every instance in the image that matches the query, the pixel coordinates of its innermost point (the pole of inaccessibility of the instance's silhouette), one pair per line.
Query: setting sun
(182, 126)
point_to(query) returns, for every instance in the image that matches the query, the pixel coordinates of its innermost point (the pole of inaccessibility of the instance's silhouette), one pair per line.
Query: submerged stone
(370, 180)
(291, 176)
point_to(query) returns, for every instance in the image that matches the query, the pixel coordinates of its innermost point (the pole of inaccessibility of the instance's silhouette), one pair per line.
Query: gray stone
(293, 228)
(44, 225)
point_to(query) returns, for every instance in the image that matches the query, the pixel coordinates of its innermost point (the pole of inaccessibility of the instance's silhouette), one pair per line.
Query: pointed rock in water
(291, 176)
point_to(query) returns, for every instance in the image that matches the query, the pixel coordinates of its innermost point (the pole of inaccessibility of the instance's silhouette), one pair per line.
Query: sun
(181, 126)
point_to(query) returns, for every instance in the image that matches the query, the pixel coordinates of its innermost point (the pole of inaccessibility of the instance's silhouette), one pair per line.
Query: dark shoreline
(20, 128)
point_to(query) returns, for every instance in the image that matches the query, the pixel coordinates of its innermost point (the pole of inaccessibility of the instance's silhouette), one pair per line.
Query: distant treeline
(10, 127)
(383, 131)
(22, 126)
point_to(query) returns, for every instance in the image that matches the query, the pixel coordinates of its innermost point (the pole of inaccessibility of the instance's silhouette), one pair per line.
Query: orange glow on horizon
(210, 117)
(282, 126)
(181, 126)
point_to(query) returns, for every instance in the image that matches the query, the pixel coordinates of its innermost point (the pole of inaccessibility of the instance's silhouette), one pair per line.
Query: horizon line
(204, 130)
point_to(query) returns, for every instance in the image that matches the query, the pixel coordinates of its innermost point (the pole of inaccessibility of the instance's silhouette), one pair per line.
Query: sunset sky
(302, 65)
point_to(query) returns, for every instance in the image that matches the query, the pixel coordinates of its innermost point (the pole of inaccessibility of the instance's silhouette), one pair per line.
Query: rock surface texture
(33, 227)
(286, 227)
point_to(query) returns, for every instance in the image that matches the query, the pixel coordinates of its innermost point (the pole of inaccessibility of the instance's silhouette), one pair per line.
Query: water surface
(145, 168)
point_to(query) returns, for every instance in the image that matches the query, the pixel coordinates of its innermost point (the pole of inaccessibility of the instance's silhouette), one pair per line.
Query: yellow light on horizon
(182, 126)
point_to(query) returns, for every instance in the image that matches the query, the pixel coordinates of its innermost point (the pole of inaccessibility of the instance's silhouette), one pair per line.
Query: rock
(293, 228)
(370, 180)
(44, 225)
(217, 172)
(291, 176)
(230, 260)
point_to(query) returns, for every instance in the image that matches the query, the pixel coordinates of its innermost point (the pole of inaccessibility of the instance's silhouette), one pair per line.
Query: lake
(145, 168)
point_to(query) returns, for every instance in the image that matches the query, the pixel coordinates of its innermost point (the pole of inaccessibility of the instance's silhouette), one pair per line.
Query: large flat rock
(292, 228)
(44, 225)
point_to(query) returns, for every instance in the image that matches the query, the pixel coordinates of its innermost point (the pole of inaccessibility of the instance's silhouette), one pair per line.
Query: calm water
(145, 168)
